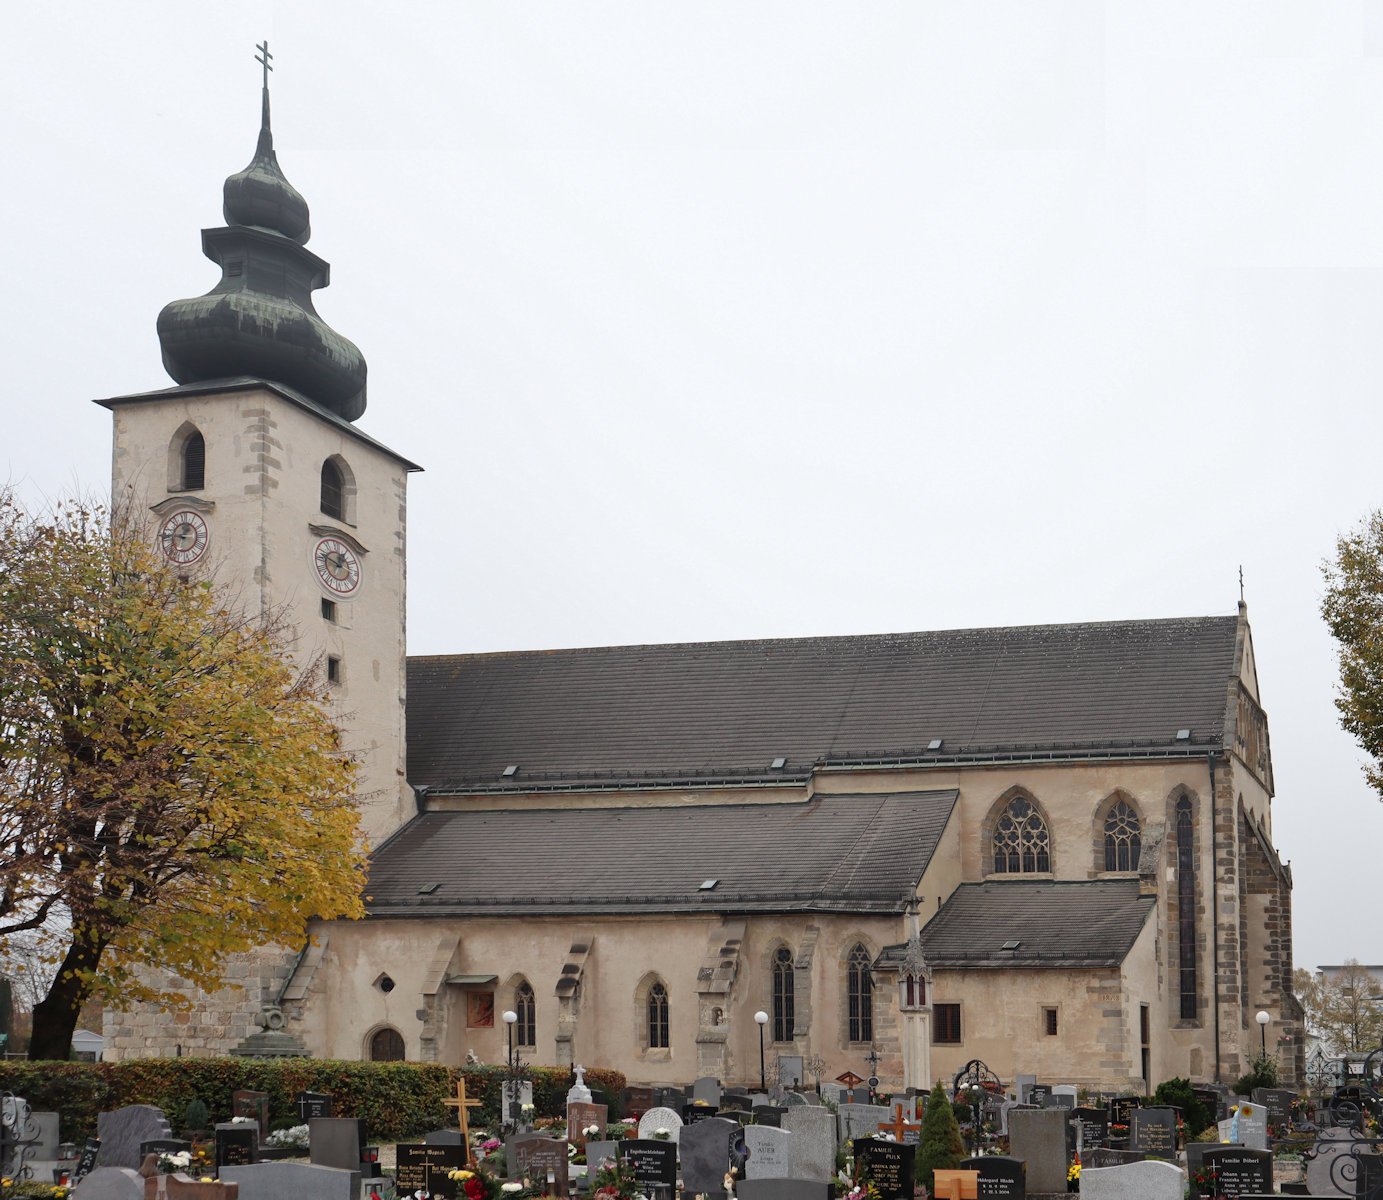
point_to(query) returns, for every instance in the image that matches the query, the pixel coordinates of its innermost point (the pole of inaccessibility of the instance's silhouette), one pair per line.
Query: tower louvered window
(194, 462)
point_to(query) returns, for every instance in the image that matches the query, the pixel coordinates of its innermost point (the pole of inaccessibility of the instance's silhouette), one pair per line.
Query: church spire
(259, 320)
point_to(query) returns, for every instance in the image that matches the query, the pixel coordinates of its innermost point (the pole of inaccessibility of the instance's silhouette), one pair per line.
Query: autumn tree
(1345, 1009)
(1353, 611)
(171, 788)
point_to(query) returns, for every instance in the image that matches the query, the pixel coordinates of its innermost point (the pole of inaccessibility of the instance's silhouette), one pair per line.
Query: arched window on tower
(194, 462)
(912, 990)
(526, 1027)
(1021, 841)
(386, 1046)
(333, 491)
(657, 1017)
(1123, 841)
(784, 1014)
(859, 995)
(1186, 906)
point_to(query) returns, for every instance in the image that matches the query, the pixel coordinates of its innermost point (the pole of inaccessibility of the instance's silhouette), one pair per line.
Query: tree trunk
(55, 1016)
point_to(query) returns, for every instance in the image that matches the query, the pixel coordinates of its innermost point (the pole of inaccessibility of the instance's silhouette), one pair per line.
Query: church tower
(253, 469)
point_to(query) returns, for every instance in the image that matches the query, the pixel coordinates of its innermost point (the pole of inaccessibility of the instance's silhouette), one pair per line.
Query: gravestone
(123, 1131)
(784, 1189)
(707, 1150)
(669, 1097)
(336, 1142)
(86, 1162)
(1153, 1131)
(1064, 1095)
(694, 1112)
(45, 1147)
(770, 1152)
(1001, 1177)
(768, 1114)
(1024, 1085)
(890, 1166)
(653, 1163)
(1038, 1137)
(790, 1070)
(580, 1116)
(237, 1144)
(579, 1093)
(635, 1101)
(518, 1149)
(1278, 1102)
(164, 1146)
(110, 1183)
(1040, 1094)
(1214, 1101)
(792, 1099)
(177, 1186)
(544, 1161)
(1121, 1108)
(813, 1142)
(312, 1104)
(730, 1103)
(1093, 1124)
(861, 1120)
(1247, 1127)
(598, 1152)
(301, 1181)
(1100, 1156)
(1134, 1181)
(1238, 1170)
(1331, 1170)
(252, 1104)
(657, 1119)
(832, 1092)
(706, 1090)
(512, 1099)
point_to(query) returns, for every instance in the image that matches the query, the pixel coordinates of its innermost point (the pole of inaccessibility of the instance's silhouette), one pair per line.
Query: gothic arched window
(526, 1027)
(333, 491)
(1021, 841)
(386, 1046)
(1123, 840)
(859, 994)
(657, 1017)
(1186, 906)
(783, 997)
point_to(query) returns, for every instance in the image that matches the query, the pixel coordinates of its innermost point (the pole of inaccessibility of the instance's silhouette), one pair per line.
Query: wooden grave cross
(461, 1104)
(898, 1126)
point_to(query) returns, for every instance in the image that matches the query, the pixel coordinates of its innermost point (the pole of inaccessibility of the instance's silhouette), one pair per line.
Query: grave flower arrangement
(1073, 1175)
(615, 1180)
(856, 1184)
(294, 1137)
(661, 1135)
(476, 1183)
(179, 1160)
(1207, 1181)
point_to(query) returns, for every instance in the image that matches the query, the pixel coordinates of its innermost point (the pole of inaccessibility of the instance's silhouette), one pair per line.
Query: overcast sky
(719, 320)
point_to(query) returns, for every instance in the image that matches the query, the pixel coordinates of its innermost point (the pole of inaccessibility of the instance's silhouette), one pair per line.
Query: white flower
(244, 1120)
(590, 1131)
(511, 1188)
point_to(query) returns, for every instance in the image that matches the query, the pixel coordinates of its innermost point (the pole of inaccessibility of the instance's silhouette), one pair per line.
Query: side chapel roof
(836, 853)
(724, 711)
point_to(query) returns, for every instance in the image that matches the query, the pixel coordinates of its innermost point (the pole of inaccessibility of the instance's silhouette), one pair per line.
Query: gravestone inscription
(237, 1144)
(424, 1169)
(770, 1152)
(312, 1104)
(1000, 1177)
(252, 1104)
(1153, 1131)
(1238, 1171)
(890, 1166)
(1093, 1124)
(121, 1133)
(653, 1163)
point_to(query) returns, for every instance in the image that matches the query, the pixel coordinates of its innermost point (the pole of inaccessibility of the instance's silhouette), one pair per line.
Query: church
(1048, 848)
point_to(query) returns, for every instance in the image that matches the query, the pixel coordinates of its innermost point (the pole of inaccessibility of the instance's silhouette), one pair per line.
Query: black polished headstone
(1040, 1094)
(769, 1114)
(1093, 1124)
(1001, 1177)
(1154, 1131)
(1121, 1108)
(653, 1162)
(425, 1169)
(87, 1162)
(312, 1104)
(237, 1145)
(1239, 1171)
(890, 1166)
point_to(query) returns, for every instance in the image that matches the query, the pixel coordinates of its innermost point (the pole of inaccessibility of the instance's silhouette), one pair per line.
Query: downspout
(1214, 915)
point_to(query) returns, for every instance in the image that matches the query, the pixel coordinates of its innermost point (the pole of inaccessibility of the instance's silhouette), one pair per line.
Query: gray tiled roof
(1056, 924)
(726, 710)
(856, 853)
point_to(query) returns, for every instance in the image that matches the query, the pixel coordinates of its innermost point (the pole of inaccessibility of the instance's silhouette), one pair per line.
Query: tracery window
(783, 997)
(1123, 840)
(1186, 907)
(525, 1005)
(859, 993)
(1021, 841)
(657, 1017)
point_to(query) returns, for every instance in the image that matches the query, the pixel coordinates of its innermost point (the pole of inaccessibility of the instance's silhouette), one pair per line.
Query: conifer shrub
(939, 1146)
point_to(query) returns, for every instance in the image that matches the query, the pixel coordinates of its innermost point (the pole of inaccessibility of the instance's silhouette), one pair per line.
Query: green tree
(1344, 1010)
(939, 1146)
(1353, 611)
(171, 789)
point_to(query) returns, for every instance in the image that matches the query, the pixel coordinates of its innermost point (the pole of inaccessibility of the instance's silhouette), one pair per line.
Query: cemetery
(496, 1132)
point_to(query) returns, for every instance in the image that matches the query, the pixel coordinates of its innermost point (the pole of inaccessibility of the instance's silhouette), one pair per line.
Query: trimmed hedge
(395, 1100)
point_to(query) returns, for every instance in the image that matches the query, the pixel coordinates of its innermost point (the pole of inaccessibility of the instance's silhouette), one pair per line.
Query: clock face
(184, 536)
(337, 566)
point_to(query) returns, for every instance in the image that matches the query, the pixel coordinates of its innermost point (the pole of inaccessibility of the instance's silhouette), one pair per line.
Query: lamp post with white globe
(761, 1018)
(511, 1076)
(1263, 1018)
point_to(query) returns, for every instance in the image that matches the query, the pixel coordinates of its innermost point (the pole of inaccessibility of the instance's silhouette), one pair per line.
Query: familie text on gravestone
(889, 1164)
(1237, 1171)
(425, 1169)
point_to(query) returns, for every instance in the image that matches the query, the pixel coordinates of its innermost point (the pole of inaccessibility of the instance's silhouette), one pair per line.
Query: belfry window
(1123, 840)
(1186, 907)
(333, 491)
(194, 462)
(784, 1014)
(1021, 841)
(859, 995)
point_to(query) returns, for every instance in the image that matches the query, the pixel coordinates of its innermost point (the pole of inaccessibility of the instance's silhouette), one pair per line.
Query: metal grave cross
(461, 1104)
(898, 1126)
(263, 59)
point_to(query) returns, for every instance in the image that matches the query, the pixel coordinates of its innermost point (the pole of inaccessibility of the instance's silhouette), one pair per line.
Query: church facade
(1049, 848)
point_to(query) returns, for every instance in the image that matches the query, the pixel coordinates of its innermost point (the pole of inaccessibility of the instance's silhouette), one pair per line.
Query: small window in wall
(525, 1004)
(946, 1023)
(657, 1017)
(386, 1046)
(1049, 1022)
(333, 491)
(329, 610)
(333, 668)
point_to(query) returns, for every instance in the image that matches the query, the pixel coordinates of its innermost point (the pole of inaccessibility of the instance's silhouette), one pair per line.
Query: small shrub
(939, 1146)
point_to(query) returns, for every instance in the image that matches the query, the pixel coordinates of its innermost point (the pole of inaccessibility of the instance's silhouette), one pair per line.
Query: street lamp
(510, 1016)
(1263, 1018)
(761, 1018)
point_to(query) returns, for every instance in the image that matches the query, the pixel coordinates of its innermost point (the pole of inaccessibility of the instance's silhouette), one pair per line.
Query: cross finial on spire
(263, 60)
(1241, 583)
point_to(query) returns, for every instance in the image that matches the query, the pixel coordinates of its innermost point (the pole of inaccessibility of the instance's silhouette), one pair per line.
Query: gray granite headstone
(1000, 1177)
(783, 1189)
(1099, 1156)
(46, 1147)
(302, 1181)
(770, 1152)
(1135, 1181)
(1038, 1137)
(1024, 1084)
(1248, 1127)
(122, 1131)
(1331, 1172)
(598, 1152)
(110, 1183)
(814, 1142)
(793, 1099)
(705, 1151)
(707, 1090)
(832, 1092)
(443, 1137)
(336, 1142)
(861, 1120)
(660, 1118)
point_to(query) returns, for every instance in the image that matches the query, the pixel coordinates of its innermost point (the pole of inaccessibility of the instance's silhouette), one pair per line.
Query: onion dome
(259, 320)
